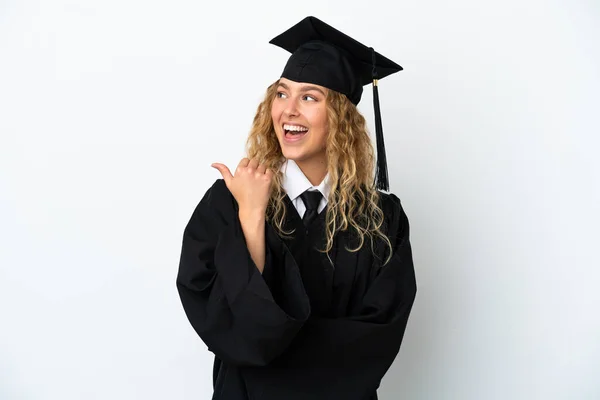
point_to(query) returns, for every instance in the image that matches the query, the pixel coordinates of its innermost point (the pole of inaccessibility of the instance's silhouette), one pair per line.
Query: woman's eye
(282, 95)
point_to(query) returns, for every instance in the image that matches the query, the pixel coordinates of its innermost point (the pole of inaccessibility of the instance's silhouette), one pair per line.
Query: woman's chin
(292, 154)
(292, 157)
(302, 155)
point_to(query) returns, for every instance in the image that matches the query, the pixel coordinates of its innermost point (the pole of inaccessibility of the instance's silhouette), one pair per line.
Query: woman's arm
(253, 226)
(223, 293)
(251, 187)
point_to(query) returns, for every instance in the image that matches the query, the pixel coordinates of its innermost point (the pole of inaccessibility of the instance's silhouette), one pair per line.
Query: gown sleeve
(225, 297)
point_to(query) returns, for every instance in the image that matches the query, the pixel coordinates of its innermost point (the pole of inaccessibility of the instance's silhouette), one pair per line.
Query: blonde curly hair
(353, 200)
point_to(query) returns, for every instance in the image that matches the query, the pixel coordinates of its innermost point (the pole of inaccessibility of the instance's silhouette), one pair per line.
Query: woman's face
(300, 120)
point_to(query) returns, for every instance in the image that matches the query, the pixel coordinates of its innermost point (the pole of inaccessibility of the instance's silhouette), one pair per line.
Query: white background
(111, 113)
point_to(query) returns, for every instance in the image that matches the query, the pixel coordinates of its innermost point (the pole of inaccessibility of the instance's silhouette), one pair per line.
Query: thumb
(224, 172)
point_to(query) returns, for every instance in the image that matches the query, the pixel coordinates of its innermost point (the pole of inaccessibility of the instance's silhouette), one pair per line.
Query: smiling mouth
(295, 131)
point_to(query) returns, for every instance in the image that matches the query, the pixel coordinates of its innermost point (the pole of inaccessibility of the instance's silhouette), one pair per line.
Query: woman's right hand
(251, 185)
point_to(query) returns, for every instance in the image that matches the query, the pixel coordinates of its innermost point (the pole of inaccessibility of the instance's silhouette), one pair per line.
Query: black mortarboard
(324, 56)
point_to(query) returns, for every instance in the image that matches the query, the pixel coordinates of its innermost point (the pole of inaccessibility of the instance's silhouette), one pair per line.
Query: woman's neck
(314, 171)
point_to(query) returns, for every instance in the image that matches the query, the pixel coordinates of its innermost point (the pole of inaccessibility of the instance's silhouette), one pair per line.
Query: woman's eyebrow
(304, 88)
(307, 88)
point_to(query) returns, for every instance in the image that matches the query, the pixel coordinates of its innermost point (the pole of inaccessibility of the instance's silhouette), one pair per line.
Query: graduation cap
(324, 56)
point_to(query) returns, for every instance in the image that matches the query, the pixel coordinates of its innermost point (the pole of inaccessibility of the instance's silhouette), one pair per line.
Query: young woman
(295, 270)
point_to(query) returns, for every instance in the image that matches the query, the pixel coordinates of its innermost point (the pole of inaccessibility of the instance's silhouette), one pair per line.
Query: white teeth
(296, 128)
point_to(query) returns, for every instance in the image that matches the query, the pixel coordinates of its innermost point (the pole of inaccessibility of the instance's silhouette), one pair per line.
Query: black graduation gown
(302, 329)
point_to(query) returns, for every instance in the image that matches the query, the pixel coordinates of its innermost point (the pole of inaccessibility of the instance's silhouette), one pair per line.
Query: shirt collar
(295, 182)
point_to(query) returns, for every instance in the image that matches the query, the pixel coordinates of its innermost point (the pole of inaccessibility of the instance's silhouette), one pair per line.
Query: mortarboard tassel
(381, 174)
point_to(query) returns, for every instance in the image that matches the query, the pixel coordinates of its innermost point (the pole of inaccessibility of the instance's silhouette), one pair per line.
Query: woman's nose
(291, 108)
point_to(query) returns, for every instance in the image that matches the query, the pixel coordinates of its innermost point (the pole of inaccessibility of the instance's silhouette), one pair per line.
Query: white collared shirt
(295, 183)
